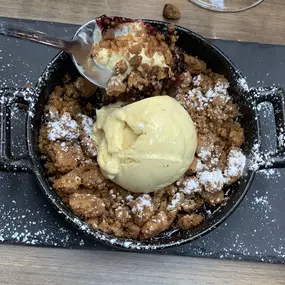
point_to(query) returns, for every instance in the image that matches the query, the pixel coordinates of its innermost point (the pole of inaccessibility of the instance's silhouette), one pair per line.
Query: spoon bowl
(89, 34)
(79, 48)
(86, 36)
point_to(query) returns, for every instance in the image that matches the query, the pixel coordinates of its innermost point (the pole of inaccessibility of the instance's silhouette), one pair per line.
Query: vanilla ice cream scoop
(146, 145)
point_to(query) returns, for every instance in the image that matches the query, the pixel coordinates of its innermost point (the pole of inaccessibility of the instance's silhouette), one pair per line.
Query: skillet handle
(8, 97)
(276, 96)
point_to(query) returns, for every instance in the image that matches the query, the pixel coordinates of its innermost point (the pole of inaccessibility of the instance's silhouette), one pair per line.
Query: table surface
(30, 265)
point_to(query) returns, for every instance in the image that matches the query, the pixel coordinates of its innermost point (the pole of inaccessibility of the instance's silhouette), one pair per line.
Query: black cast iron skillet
(192, 44)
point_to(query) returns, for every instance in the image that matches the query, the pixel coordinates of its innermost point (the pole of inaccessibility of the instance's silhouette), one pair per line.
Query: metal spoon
(79, 48)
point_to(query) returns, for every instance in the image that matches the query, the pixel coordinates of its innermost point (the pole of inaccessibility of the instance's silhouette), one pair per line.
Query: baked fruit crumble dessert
(152, 66)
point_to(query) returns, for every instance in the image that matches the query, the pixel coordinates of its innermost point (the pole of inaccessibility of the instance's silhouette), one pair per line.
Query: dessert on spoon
(106, 49)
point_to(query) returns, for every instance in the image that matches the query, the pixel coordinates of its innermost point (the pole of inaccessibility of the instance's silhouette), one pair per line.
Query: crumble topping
(62, 127)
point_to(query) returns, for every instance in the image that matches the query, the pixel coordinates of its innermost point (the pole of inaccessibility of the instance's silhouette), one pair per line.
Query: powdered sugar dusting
(200, 166)
(62, 127)
(63, 146)
(201, 100)
(87, 124)
(236, 163)
(32, 231)
(263, 201)
(270, 173)
(243, 84)
(174, 202)
(259, 158)
(141, 203)
(129, 198)
(28, 95)
(213, 181)
(204, 153)
(190, 186)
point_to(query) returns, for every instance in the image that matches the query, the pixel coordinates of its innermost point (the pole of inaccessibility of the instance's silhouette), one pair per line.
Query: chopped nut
(135, 61)
(145, 69)
(135, 49)
(121, 67)
(115, 87)
(108, 34)
(171, 12)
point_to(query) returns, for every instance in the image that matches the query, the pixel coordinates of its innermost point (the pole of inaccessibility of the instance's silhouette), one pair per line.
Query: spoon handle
(33, 35)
